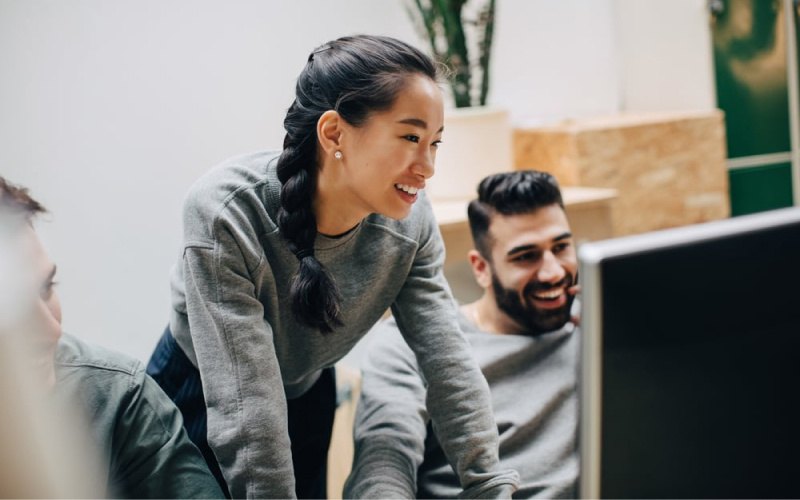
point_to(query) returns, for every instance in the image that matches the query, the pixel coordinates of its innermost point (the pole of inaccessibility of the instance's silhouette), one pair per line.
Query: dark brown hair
(509, 193)
(15, 200)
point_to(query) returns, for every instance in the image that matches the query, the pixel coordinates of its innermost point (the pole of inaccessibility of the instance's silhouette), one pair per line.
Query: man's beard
(534, 320)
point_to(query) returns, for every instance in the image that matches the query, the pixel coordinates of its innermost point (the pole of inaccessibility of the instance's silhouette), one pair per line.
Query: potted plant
(460, 41)
(477, 137)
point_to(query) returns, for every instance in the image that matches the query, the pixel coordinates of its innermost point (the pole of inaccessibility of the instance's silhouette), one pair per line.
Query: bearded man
(524, 337)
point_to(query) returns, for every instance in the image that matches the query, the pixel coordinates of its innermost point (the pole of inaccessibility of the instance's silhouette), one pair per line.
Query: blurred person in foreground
(131, 423)
(524, 338)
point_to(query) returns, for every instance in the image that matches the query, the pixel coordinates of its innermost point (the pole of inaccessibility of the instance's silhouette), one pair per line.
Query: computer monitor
(690, 371)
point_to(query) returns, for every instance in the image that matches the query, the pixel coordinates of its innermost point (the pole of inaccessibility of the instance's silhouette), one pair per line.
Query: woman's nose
(423, 164)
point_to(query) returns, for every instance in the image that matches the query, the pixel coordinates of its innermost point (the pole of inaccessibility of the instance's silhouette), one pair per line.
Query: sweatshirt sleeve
(391, 419)
(457, 397)
(242, 384)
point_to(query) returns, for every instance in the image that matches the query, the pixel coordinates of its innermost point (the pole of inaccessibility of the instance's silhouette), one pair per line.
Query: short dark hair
(509, 193)
(15, 201)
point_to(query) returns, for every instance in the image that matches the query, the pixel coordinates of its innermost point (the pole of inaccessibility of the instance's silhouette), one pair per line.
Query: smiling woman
(384, 163)
(291, 256)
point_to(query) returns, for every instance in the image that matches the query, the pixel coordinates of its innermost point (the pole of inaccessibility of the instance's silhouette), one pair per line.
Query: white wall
(564, 59)
(555, 59)
(110, 109)
(666, 59)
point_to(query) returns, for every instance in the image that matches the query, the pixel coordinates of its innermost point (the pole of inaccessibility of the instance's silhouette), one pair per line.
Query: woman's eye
(436, 144)
(412, 138)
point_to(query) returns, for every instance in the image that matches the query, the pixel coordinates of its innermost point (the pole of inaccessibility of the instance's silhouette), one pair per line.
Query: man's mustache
(540, 287)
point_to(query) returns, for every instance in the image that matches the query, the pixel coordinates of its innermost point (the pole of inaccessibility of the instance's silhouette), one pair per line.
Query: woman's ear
(480, 268)
(329, 131)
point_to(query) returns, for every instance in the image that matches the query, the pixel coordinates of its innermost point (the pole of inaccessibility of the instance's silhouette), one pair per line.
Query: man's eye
(524, 257)
(412, 138)
(561, 247)
(47, 290)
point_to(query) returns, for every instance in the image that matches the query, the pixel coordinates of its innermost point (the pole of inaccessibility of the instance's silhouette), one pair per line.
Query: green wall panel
(796, 11)
(751, 76)
(758, 189)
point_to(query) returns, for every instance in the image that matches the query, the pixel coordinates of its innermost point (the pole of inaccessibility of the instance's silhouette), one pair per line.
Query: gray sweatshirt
(232, 317)
(136, 427)
(534, 397)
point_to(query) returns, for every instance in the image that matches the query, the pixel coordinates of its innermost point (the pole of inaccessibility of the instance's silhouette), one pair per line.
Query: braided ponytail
(315, 296)
(354, 76)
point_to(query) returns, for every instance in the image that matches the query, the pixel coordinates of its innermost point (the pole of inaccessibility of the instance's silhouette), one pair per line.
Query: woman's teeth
(407, 189)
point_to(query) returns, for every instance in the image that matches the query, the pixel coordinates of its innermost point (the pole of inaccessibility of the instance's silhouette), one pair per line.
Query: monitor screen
(690, 381)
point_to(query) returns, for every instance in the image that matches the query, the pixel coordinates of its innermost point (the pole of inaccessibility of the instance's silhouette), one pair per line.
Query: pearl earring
(337, 155)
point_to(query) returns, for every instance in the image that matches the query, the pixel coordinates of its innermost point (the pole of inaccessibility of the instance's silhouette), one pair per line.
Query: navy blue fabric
(310, 416)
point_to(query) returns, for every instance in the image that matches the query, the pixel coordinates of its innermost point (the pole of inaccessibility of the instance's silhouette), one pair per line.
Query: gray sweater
(230, 296)
(533, 386)
(135, 426)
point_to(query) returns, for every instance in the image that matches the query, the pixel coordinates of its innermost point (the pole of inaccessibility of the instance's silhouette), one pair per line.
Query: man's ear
(329, 131)
(480, 268)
